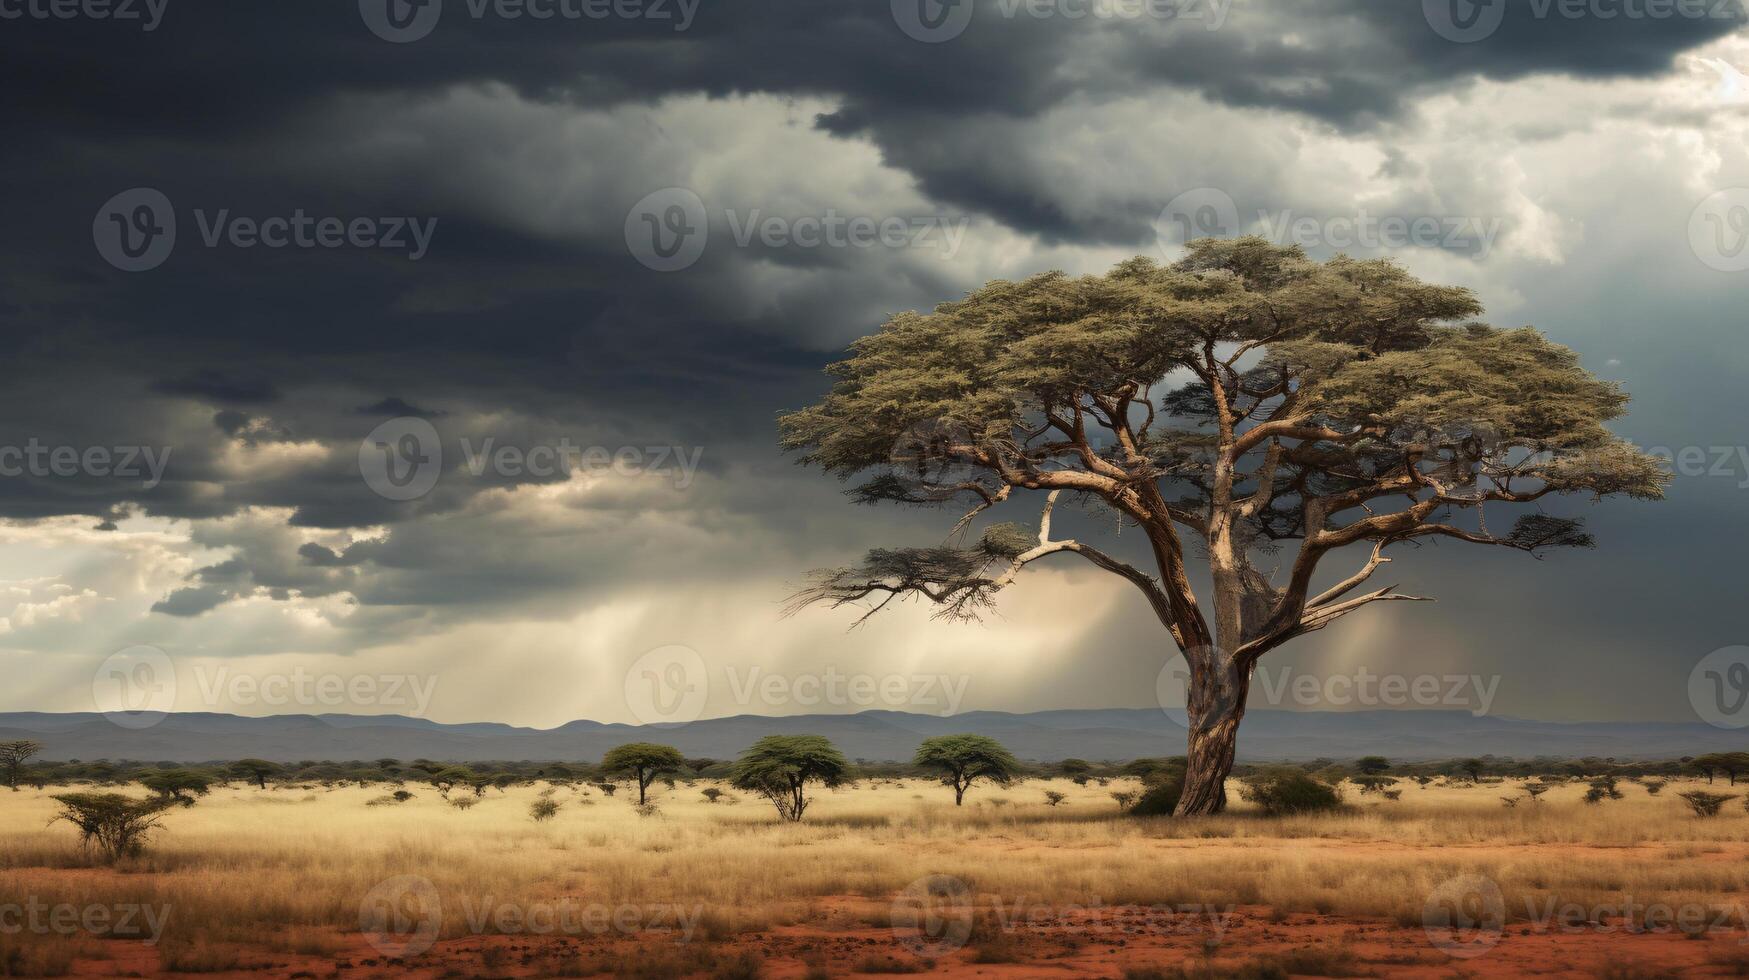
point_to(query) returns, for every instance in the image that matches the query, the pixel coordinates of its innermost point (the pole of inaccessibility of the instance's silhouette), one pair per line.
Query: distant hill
(1045, 736)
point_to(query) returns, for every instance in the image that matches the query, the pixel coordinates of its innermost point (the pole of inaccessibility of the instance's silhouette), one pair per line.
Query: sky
(259, 260)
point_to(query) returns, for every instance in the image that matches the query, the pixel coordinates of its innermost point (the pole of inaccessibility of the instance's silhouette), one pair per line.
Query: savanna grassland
(888, 877)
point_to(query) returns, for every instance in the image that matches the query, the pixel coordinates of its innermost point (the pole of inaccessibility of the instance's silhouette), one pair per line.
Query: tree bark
(1217, 704)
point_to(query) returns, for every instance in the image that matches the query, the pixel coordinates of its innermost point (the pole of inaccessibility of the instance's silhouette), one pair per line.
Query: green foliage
(1289, 791)
(780, 767)
(179, 786)
(543, 809)
(13, 756)
(643, 763)
(117, 825)
(1372, 765)
(963, 759)
(257, 771)
(1705, 804)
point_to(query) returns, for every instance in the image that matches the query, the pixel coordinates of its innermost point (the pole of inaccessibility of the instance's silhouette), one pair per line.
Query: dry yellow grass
(287, 868)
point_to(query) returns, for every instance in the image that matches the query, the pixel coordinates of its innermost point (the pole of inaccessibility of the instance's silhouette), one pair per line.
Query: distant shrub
(464, 802)
(712, 794)
(543, 810)
(1052, 797)
(1653, 787)
(1289, 791)
(115, 824)
(1705, 804)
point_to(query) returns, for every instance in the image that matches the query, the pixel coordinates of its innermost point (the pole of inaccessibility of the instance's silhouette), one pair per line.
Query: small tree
(780, 767)
(449, 777)
(13, 755)
(699, 765)
(178, 786)
(712, 794)
(963, 759)
(1052, 797)
(116, 824)
(643, 763)
(607, 788)
(1705, 804)
(1472, 768)
(1289, 791)
(1075, 767)
(543, 809)
(256, 771)
(1536, 790)
(1372, 765)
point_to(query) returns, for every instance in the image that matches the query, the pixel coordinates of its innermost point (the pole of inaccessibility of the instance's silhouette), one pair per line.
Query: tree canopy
(963, 759)
(780, 767)
(644, 763)
(1245, 405)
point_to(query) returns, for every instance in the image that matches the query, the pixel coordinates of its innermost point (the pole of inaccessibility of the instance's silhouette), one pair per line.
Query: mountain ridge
(877, 734)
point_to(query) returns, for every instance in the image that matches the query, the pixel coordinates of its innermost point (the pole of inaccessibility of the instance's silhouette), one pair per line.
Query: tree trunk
(959, 794)
(1217, 703)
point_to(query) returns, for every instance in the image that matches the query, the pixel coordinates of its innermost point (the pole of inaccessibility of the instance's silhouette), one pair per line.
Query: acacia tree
(257, 771)
(780, 767)
(963, 759)
(644, 763)
(13, 756)
(1231, 406)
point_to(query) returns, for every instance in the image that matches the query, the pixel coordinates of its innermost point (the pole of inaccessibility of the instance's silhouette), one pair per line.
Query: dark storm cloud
(260, 110)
